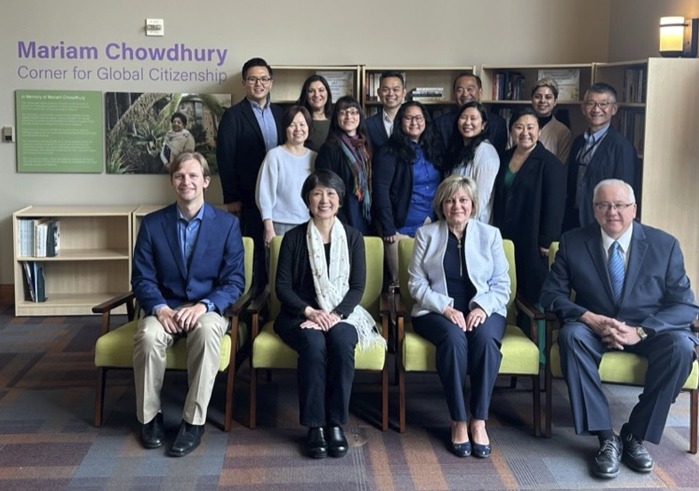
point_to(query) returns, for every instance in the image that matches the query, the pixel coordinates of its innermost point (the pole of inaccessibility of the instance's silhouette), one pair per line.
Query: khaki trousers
(149, 361)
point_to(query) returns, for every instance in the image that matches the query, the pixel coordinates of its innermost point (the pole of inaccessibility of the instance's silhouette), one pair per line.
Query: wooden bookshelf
(289, 79)
(93, 265)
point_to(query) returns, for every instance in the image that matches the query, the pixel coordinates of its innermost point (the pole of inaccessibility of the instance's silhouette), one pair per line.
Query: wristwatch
(641, 333)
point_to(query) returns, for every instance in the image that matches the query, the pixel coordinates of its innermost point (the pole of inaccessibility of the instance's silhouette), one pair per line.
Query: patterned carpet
(47, 440)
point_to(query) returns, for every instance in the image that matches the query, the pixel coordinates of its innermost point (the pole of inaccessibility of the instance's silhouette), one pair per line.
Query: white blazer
(485, 260)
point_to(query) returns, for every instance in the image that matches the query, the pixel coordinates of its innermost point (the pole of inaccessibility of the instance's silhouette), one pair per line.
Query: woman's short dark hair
(524, 111)
(289, 116)
(180, 116)
(325, 178)
(303, 98)
(458, 152)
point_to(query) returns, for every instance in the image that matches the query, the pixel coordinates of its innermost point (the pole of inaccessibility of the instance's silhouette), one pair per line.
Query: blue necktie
(616, 270)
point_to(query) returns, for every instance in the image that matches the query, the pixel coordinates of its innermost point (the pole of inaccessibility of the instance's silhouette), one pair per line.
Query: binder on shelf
(34, 281)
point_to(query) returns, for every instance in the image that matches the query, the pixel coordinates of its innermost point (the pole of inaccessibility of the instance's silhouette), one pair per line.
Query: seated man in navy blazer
(631, 294)
(187, 269)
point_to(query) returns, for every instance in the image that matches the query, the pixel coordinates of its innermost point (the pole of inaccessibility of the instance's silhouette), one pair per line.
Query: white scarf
(332, 283)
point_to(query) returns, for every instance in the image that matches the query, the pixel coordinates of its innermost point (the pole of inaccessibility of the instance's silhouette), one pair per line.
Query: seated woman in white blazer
(458, 276)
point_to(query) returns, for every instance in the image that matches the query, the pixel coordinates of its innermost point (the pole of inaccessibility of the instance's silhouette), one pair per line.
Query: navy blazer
(240, 150)
(657, 295)
(159, 274)
(376, 131)
(615, 158)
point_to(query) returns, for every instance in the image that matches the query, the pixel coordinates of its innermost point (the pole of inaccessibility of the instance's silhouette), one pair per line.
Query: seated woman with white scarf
(320, 280)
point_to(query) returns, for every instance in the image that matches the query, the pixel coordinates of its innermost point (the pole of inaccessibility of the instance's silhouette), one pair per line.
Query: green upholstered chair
(114, 347)
(617, 367)
(520, 355)
(270, 352)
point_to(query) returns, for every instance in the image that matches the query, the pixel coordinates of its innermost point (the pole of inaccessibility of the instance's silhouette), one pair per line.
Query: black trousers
(669, 354)
(325, 371)
(459, 354)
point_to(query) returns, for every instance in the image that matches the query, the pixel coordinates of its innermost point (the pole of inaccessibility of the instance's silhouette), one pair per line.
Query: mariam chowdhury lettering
(121, 51)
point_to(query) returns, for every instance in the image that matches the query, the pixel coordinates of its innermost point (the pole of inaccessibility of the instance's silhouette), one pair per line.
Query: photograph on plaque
(147, 131)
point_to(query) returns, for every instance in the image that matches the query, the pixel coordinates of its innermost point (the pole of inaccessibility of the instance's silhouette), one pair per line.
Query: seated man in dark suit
(187, 269)
(631, 294)
(468, 87)
(391, 93)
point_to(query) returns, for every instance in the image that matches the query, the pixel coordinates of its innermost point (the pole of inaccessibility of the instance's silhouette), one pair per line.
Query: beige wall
(386, 32)
(634, 29)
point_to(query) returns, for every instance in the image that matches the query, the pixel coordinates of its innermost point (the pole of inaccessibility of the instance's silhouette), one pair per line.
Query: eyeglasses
(604, 206)
(414, 119)
(348, 112)
(602, 105)
(262, 80)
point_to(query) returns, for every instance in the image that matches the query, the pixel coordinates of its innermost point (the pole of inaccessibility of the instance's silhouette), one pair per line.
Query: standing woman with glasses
(347, 152)
(471, 154)
(317, 99)
(407, 171)
(529, 199)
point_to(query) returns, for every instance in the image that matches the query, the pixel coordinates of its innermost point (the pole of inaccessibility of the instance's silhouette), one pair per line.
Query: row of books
(632, 125)
(34, 281)
(372, 84)
(634, 85)
(509, 86)
(39, 237)
(427, 94)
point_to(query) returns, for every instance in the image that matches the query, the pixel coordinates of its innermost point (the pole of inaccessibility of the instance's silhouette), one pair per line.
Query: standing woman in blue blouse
(347, 152)
(407, 171)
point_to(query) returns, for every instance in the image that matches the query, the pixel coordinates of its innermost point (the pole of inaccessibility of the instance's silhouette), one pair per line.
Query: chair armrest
(240, 305)
(105, 308)
(531, 311)
(385, 305)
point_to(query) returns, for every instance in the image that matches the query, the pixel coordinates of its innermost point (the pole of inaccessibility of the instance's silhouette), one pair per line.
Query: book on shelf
(634, 85)
(34, 281)
(427, 94)
(568, 80)
(38, 237)
(508, 86)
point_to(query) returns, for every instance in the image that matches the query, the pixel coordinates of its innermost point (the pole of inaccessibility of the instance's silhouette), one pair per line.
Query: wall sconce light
(678, 37)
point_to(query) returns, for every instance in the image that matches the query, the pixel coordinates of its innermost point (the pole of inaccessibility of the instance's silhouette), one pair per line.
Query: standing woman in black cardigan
(407, 171)
(529, 201)
(347, 152)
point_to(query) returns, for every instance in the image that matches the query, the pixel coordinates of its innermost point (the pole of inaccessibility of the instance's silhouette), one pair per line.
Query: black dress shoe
(607, 460)
(153, 432)
(635, 454)
(188, 438)
(460, 449)
(337, 443)
(481, 451)
(316, 446)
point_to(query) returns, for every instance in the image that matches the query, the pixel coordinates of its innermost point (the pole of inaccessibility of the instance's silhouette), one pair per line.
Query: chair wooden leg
(536, 390)
(253, 396)
(230, 380)
(547, 410)
(693, 414)
(401, 399)
(99, 395)
(384, 398)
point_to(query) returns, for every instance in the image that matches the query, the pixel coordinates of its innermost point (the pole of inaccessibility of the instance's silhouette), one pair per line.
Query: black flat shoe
(316, 446)
(188, 438)
(481, 451)
(153, 432)
(337, 443)
(460, 449)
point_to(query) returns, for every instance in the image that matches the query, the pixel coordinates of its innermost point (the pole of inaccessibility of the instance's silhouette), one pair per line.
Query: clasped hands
(473, 319)
(319, 319)
(182, 320)
(614, 333)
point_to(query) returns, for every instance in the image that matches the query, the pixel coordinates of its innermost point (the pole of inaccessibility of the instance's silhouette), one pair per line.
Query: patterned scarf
(331, 282)
(356, 153)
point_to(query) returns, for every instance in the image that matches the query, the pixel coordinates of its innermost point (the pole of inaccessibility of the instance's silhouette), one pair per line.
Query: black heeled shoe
(316, 445)
(461, 449)
(481, 451)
